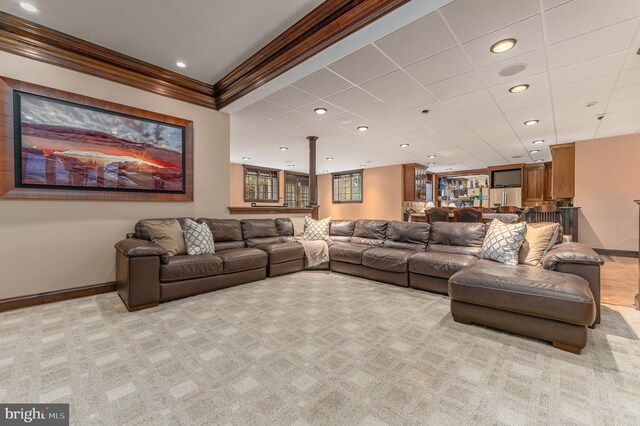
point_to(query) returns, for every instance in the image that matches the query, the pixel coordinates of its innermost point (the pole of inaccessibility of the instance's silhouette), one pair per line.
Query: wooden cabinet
(417, 183)
(534, 183)
(548, 181)
(564, 171)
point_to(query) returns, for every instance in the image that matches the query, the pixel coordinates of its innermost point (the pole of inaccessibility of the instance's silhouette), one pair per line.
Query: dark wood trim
(8, 187)
(44, 44)
(244, 184)
(348, 172)
(55, 296)
(286, 172)
(270, 210)
(619, 253)
(313, 177)
(327, 24)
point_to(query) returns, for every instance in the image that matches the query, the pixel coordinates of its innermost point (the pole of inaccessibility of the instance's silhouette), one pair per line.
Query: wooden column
(313, 179)
(637, 304)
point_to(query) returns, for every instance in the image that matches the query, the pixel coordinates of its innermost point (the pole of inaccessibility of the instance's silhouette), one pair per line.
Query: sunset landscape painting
(73, 146)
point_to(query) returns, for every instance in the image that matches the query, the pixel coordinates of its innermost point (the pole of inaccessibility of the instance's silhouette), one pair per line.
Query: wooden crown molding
(327, 24)
(44, 44)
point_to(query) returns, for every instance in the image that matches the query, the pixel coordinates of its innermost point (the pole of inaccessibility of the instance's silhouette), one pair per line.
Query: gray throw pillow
(316, 230)
(503, 242)
(198, 238)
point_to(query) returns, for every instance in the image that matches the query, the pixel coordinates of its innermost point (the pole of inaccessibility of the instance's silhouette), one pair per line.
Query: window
(296, 190)
(260, 184)
(347, 187)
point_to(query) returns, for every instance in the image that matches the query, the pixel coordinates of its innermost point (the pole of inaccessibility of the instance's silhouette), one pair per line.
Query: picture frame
(61, 145)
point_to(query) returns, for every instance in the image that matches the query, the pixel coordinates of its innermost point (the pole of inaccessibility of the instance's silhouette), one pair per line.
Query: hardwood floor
(619, 280)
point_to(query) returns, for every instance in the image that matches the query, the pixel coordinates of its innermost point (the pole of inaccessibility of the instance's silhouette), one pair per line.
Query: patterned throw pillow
(316, 230)
(198, 238)
(503, 242)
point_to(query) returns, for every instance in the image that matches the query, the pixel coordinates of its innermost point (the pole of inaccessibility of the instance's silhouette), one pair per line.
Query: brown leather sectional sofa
(555, 302)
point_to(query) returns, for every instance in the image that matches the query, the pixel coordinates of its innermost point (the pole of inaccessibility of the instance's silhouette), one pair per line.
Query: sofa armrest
(134, 247)
(574, 253)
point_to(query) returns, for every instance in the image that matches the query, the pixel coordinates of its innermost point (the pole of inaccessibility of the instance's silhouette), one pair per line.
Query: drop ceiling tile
(409, 100)
(392, 120)
(478, 112)
(578, 102)
(351, 98)
(456, 86)
(633, 57)
(374, 110)
(584, 87)
(525, 100)
(537, 83)
(620, 94)
(439, 67)
(627, 104)
(468, 100)
(629, 78)
(406, 128)
(487, 121)
(591, 68)
(266, 109)
(389, 85)
(363, 65)
(291, 98)
(472, 18)
(578, 17)
(528, 33)
(531, 113)
(535, 61)
(322, 83)
(591, 45)
(243, 119)
(548, 4)
(438, 120)
(420, 39)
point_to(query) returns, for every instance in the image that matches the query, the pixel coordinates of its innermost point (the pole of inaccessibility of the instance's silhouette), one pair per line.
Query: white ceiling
(211, 36)
(575, 52)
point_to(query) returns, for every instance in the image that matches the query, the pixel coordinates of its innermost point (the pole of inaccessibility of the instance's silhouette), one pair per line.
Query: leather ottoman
(535, 302)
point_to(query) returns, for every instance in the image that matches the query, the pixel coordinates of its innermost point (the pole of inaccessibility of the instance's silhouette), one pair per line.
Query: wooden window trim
(259, 169)
(348, 172)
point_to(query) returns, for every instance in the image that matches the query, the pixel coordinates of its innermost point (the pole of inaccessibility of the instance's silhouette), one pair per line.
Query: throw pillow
(198, 238)
(168, 236)
(502, 242)
(540, 238)
(316, 230)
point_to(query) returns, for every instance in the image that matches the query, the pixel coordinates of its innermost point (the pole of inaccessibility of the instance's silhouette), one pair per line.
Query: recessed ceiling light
(503, 45)
(368, 161)
(181, 64)
(363, 128)
(283, 148)
(519, 88)
(28, 7)
(447, 170)
(320, 111)
(325, 171)
(517, 156)
(291, 165)
(590, 104)
(539, 160)
(431, 156)
(363, 165)
(534, 151)
(425, 111)
(28, 117)
(329, 158)
(431, 164)
(538, 142)
(404, 145)
(531, 122)
(246, 158)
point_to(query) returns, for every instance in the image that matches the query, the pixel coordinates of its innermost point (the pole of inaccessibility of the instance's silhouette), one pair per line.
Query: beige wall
(236, 187)
(53, 245)
(607, 182)
(381, 199)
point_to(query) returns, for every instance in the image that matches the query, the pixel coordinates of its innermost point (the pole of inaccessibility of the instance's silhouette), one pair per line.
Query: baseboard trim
(55, 296)
(620, 253)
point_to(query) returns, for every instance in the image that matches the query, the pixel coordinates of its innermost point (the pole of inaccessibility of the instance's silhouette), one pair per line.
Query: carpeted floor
(311, 348)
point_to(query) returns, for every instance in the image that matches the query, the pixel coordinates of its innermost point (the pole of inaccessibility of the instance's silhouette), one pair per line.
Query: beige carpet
(311, 348)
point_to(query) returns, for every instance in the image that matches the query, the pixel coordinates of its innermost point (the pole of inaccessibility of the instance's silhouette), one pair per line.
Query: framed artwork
(57, 144)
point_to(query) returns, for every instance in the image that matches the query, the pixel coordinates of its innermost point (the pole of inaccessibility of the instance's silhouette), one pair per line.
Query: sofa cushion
(227, 233)
(387, 259)
(179, 268)
(258, 228)
(407, 235)
(464, 250)
(342, 228)
(457, 234)
(284, 226)
(370, 229)
(282, 252)
(347, 252)
(142, 231)
(441, 265)
(244, 259)
(525, 289)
